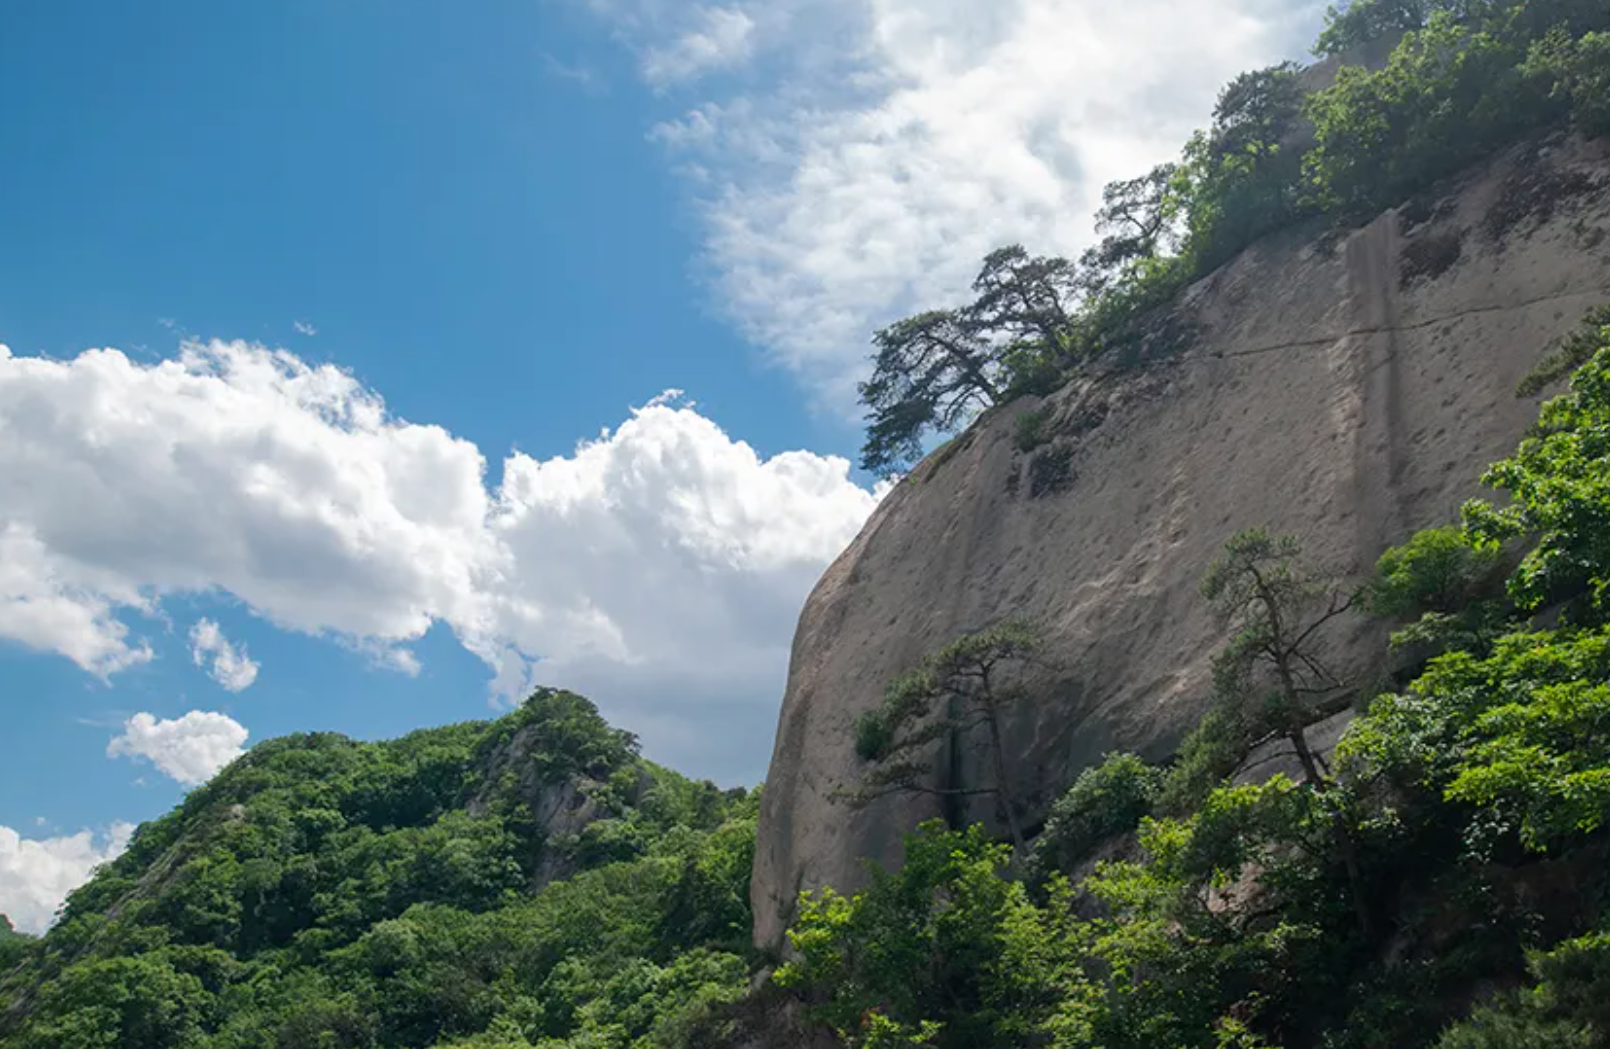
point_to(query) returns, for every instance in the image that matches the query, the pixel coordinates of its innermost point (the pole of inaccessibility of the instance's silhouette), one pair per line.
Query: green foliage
(1447, 584)
(934, 371)
(1365, 21)
(943, 952)
(1447, 96)
(327, 893)
(1438, 570)
(14, 946)
(1106, 800)
(1578, 71)
(1242, 178)
(1032, 428)
(1558, 483)
(1469, 78)
(1209, 753)
(1515, 734)
(1568, 1006)
(945, 699)
(1569, 353)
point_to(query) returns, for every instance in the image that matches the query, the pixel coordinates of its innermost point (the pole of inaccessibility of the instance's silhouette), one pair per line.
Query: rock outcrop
(1348, 390)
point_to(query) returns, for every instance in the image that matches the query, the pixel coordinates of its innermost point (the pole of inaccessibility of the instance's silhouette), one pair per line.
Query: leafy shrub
(1568, 354)
(1105, 800)
(1033, 426)
(1438, 570)
(1558, 482)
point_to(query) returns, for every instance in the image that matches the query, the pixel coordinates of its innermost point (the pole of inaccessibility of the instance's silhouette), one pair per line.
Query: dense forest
(1435, 881)
(526, 879)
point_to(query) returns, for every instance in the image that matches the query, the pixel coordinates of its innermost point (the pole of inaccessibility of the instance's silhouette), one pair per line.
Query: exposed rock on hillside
(1345, 390)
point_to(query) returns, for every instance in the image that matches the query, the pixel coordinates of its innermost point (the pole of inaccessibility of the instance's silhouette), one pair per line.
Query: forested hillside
(1436, 879)
(531, 877)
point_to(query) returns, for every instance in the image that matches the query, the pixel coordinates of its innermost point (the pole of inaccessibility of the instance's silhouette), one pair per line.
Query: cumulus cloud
(659, 566)
(190, 749)
(304, 328)
(228, 665)
(42, 608)
(720, 37)
(37, 874)
(898, 141)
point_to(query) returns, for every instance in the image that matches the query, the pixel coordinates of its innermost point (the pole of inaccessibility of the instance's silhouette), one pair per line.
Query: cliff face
(1346, 390)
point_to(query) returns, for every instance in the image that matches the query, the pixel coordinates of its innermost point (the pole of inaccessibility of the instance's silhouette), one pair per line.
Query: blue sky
(310, 307)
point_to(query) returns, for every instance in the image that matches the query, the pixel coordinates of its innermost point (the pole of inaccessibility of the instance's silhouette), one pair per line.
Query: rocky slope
(1344, 389)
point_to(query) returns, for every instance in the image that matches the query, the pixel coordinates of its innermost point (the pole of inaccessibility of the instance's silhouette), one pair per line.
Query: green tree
(932, 372)
(1273, 674)
(1242, 179)
(944, 951)
(1365, 21)
(1447, 586)
(1139, 220)
(961, 688)
(1273, 678)
(1024, 300)
(1558, 484)
(1106, 799)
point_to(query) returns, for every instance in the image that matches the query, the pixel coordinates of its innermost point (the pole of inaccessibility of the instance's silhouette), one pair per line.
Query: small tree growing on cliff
(962, 687)
(1272, 681)
(931, 372)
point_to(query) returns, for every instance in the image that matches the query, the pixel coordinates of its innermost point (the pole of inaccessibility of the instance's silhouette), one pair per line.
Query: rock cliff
(1347, 389)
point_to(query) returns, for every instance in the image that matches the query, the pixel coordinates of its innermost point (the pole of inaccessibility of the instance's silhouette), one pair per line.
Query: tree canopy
(939, 706)
(934, 371)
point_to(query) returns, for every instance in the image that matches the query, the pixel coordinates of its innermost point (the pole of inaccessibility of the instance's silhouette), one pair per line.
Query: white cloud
(896, 142)
(304, 328)
(37, 874)
(44, 609)
(721, 37)
(230, 666)
(659, 567)
(190, 749)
